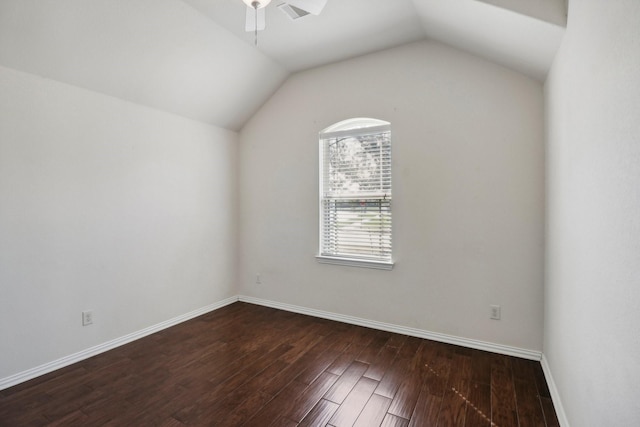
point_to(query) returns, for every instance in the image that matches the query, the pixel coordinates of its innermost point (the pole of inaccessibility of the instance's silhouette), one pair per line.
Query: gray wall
(468, 158)
(108, 206)
(592, 293)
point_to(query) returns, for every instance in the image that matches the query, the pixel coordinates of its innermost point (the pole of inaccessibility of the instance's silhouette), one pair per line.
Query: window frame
(356, 127)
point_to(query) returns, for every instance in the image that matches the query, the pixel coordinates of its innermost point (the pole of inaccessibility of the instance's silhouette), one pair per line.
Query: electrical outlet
(495, 312)
(258, 279)
(87, 318)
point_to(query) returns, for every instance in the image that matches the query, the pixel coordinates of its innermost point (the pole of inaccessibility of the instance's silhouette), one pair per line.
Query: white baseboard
(555, 395)
(109, 345)
(419, 333)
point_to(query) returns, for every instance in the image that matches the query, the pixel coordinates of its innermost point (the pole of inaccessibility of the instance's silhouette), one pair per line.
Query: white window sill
(352, 262)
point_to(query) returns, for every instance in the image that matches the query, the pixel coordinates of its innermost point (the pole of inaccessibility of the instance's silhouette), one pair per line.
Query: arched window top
(355, 127)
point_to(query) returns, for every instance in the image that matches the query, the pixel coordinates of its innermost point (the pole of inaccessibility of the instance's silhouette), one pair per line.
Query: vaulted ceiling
(194, 58)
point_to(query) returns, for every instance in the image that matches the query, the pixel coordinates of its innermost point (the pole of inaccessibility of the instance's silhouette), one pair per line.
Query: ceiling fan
(255, 17)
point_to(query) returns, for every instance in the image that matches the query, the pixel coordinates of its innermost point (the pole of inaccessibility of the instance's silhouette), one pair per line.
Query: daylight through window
(355, 194)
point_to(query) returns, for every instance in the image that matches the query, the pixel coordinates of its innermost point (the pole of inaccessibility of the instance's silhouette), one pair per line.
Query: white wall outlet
(87, 318)
(258, 279)
(495, 312)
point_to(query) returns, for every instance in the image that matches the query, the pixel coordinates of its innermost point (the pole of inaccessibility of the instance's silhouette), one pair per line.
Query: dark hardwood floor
(247, 365)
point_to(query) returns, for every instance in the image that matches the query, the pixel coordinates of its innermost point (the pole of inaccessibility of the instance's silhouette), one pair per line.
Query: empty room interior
(184, 241)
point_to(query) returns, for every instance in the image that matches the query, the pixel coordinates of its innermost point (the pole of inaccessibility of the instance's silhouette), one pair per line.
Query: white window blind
(355, 192)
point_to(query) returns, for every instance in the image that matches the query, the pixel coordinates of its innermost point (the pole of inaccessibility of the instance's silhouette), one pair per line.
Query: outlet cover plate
(87, 318)
(495, 312)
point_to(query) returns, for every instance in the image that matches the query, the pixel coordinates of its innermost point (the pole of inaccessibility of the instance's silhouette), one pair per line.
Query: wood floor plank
(454, 405)
(426, 409)
(381, 364)
(410, 348)
(252, 366)
(481, 367)
(25, 402)
(541, 383)
(106, 409)
(396, 340)
(320, 414)
(76, 418)
(354, 403)
(478, 405)
(393, 421)
(503, 398)
(530, 412)
(405, 398)
(460, 377)
(20, 418)
(453, 410)
(238, 397)
(303, 345)
(374, 411)
(288, 374)
(549, 411)
(327, 352)
(342, 362)
(241, 412)
(437, 368)
(522, 368)
(284, 422)
(71, 379)
(282, 403)
(171, 422)
(363, 336)
(311, 396)
(393, 379)
(67, 401)
(370, 352)
(528, 404)
(257, 366)
(343, 386)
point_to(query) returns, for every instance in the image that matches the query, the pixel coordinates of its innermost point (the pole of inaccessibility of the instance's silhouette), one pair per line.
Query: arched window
(355, 193)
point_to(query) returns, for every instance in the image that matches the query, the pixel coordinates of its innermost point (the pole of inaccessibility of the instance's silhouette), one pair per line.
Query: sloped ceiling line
(193, 57)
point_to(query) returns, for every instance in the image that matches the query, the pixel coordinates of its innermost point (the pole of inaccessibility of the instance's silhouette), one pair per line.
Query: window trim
(350, 127)
(354, 262)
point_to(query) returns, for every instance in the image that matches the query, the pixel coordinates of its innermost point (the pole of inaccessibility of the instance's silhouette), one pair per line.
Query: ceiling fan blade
(314, 7)
(252, 15)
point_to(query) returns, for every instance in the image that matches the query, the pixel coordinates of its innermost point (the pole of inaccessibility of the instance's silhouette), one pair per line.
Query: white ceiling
(193, 57)
(505, 36)
(344, 29)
